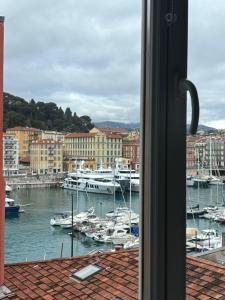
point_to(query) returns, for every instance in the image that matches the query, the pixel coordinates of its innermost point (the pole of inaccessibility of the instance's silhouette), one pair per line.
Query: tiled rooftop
(80, 135)
(20, 128)
(118, 278)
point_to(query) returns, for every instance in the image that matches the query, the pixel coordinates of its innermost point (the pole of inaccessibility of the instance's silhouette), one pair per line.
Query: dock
(34, 182)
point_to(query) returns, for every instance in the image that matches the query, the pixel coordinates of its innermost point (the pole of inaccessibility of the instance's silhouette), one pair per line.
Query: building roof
(20, 128)
(46, 141)
(113, 136)
(204, 279)
(80, 135)
(133, 141)
(114, 130)
(52, 279)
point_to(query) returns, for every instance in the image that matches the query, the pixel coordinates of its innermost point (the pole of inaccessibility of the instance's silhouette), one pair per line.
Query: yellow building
(52, 135)
(46, 157)
(101, 146)
(25, 136)
(71, 165)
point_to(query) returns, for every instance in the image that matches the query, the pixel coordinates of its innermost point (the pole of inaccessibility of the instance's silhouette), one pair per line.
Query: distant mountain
(130, 126)
(111, 124)
(204, 128)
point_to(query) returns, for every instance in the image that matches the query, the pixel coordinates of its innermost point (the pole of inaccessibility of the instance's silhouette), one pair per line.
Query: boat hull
(12, 210)
(83, 188)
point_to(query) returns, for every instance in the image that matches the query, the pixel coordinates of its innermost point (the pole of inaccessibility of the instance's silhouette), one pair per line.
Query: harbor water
(30, 236)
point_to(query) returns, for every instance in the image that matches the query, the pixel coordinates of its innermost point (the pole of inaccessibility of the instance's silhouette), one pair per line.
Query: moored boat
(97, 185)
(11, 207)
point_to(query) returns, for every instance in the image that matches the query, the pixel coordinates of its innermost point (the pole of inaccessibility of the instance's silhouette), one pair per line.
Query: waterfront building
(131, 151)
(215, 152)
(25, 136)
(102, 146)
(10, 155)
(52, 135)
(69, 165)
(46, 156)
(191, 153)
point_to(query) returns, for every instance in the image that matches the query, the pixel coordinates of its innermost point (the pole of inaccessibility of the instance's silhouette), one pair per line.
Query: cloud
(86, 55)
(207, 58)
(87, 52)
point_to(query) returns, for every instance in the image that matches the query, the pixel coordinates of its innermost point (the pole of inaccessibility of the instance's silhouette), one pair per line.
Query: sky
(86, 55)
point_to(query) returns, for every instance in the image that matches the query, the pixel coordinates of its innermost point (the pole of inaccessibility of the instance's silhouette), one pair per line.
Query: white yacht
(82, 216)
(58, 218)
(208, 238)
(97, 185)
(116, 235)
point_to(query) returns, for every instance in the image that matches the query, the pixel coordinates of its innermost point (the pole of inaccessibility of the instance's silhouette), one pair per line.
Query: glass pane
(206, 150)
(71, 121)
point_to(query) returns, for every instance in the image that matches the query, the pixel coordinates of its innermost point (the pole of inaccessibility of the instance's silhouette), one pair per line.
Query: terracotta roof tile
(80, 134)
(119, 277)
(114, 130)
(20, 128)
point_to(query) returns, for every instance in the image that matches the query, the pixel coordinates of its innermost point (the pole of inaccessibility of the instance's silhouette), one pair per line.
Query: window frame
(163, 150)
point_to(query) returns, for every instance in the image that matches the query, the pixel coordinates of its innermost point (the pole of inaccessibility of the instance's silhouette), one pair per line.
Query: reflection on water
(30, 236)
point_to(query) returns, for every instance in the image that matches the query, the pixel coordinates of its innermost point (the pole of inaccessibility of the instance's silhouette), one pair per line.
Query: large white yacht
(102, 180)
(97, 185)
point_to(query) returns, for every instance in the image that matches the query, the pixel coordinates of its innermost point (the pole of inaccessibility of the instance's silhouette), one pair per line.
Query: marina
(35, 234)
(29, 236)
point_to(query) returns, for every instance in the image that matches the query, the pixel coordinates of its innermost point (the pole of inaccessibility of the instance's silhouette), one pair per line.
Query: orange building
(25, 136)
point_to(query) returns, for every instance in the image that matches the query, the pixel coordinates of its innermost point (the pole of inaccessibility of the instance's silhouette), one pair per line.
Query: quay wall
(27, 185)
(27, 182)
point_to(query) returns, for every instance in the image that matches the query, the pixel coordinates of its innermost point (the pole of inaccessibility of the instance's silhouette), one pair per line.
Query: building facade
(46, 157)
(97, 145)
(10, 155)
(131, 151)
(25, 136)
(52, 135)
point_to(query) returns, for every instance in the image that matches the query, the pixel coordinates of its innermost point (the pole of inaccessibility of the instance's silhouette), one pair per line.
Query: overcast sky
(86, 55)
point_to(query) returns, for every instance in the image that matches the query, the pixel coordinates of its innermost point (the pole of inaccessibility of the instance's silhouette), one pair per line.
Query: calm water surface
(30, 236)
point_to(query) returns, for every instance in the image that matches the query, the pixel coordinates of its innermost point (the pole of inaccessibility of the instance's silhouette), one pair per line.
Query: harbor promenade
(34, 181)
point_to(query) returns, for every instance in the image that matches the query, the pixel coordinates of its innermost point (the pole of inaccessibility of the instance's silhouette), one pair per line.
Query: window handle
(187, 86)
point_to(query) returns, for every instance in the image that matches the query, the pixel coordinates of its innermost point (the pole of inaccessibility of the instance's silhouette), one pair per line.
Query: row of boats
(118, 227)
(103, 181)
(213, 213)
(121, 227)
(203, 181)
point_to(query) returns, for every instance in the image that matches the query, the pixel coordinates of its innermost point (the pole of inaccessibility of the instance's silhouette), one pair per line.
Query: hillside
(42, 115)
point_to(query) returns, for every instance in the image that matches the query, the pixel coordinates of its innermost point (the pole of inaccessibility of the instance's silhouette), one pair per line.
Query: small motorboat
(195, 211)
(57, 219)
(11, 207)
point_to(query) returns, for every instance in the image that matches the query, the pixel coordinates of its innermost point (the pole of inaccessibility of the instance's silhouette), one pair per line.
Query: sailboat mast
(210, 157)
(130, 198)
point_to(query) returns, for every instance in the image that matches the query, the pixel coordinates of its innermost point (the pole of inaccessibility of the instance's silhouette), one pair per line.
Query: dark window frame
(163, 133)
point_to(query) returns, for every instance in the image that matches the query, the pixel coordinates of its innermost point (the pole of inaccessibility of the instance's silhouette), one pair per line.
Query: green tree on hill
(42, 115)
